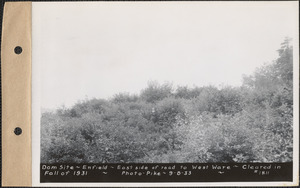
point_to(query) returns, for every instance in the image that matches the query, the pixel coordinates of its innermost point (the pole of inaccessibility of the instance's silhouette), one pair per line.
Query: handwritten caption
(153, 169)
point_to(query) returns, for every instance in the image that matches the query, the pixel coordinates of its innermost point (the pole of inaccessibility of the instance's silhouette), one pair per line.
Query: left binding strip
(16, 94)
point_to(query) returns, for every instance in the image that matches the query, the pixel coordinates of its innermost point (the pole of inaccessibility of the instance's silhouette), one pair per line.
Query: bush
(251, 123)
(206, 139)
(156, 92)
(184, 92)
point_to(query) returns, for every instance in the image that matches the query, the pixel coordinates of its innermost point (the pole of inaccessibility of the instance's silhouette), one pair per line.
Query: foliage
(250, 123)
(156, 92)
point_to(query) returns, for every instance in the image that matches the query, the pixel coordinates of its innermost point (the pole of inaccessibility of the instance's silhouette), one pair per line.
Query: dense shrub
(207, 139)
(251, 123)
(187, 93)
(124, 97)
(156, 92)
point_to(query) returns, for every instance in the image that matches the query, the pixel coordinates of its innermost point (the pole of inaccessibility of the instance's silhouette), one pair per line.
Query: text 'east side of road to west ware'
(153, 169)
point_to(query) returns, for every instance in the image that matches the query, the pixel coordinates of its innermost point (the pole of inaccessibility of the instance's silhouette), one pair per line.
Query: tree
(156, 92)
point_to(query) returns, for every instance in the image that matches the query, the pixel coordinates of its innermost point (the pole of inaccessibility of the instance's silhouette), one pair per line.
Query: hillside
(164, 123)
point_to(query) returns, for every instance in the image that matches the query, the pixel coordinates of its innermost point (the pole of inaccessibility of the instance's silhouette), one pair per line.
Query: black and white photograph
(165, 92)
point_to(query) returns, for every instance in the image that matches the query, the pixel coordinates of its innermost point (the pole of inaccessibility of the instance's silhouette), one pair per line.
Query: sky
(99, 49)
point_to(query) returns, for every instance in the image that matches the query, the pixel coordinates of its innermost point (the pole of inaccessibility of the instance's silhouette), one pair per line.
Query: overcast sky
(100, 49)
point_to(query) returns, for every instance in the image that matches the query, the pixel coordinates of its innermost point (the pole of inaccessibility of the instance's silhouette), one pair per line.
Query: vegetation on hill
(250, 123)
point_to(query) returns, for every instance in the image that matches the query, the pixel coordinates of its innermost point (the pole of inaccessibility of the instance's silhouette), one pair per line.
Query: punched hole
(18, 50)
(18, 131)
